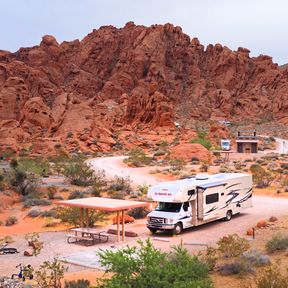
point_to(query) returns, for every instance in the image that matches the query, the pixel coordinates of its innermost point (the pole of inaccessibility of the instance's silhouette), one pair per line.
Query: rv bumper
(160, 227)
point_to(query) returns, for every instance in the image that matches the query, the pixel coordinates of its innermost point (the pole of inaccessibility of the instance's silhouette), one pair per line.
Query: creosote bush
(36, 202)
(271, 277)
(256, 258)
(50, 274)
(238, 267)
(261, 177)
(232, 245)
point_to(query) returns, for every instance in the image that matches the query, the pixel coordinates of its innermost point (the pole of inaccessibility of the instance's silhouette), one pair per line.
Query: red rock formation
(81, 92)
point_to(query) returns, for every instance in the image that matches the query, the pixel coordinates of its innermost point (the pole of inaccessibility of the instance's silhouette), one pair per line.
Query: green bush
(38, 166)
(177, 164)
(81, 283)
(121, 184)
(11, 220)
(146, 266)
(49, 213)
(271, 277)
(51, 273)
(79, 173)
(36, 202)
(209, 257)
(201, 139)
(232, 245)
(138, 158)
(277, 243)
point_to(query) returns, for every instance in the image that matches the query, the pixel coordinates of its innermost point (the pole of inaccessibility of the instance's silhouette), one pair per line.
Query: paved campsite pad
(86, 258)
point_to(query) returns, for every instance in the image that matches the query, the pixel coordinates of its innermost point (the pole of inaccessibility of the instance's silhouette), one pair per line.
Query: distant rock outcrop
(80, 93)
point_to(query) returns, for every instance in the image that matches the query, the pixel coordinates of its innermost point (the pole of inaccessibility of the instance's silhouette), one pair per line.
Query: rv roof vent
(202, 176)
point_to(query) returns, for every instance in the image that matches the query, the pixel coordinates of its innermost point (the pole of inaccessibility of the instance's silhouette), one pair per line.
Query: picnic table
(87, 235)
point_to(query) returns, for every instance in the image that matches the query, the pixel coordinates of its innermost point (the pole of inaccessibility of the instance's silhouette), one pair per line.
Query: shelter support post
(123, 226)
(87, 217)
(81, 216)
(118, 227)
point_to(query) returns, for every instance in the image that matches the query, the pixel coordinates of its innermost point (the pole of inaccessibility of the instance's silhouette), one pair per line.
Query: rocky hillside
(80, 94)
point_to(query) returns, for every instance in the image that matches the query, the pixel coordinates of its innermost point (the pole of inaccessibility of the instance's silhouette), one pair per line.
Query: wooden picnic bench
(87, 235)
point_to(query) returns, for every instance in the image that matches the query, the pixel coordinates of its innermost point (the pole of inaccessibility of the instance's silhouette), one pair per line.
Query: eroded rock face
(82, 92)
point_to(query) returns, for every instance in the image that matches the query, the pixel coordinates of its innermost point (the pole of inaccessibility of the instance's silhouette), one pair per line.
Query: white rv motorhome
(198, 200)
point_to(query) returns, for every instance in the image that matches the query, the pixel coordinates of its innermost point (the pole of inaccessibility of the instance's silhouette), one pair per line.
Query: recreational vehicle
(197, 200)
(225, 144)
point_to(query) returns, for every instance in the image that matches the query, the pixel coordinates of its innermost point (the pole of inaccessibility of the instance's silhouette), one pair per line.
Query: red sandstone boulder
(187, 151)
(127, 219)
(262, 224)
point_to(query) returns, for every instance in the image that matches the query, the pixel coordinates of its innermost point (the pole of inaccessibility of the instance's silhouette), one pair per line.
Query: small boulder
(28, 252)
(249, 232)
(261, 224)
(273, 219)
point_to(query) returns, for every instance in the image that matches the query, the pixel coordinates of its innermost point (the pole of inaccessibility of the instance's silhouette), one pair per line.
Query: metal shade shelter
(103, 204)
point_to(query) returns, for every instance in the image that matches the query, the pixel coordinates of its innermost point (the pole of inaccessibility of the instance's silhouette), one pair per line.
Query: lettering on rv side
(163, 194)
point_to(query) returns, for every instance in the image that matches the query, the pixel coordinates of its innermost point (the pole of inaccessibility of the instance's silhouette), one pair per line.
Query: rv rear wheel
(228, 215)
(177, 229)
(153, 230)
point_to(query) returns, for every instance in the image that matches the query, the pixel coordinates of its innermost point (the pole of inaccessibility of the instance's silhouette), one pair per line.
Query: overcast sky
(259, 25)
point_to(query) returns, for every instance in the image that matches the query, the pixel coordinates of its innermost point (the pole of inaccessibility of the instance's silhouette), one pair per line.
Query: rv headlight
(169, 220)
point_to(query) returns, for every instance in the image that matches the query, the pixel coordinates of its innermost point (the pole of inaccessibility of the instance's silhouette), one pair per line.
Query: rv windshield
(168, 207)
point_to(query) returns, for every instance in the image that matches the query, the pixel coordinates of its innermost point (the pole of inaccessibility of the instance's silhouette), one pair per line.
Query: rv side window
(191, 192)
(185, 206)
(212, 198)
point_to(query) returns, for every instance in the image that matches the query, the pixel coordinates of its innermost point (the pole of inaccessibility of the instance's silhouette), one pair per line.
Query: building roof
(105, 204)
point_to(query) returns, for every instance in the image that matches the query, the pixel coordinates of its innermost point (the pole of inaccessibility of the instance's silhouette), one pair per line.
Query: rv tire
(153, 230)
(228, 215)
(178, 228)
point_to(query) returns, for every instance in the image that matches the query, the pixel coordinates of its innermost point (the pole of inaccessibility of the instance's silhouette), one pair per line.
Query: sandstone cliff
(80, 94)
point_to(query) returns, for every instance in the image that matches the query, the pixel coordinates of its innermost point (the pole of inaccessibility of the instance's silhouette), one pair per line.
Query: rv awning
(209, 185)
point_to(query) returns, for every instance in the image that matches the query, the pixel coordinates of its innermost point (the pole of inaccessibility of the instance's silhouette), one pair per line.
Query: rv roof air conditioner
(202, 176)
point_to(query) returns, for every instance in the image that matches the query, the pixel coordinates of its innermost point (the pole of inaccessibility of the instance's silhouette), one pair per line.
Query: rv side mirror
(191, 192)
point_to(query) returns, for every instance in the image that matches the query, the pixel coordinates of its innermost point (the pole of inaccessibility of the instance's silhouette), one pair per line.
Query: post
(81, 217)
(118, 227)
(123, 226)
(87, 217)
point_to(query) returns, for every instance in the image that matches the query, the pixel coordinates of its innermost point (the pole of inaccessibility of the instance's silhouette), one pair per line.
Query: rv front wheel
(228, 215)
(177, 229)
(153, 231)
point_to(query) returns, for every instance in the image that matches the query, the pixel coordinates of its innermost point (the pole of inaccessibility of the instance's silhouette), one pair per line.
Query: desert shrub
(22, 182)
(50, 222)
(34, 212)
(177, 164)
(261, 177)
(209, 257)
(52, 190)
(36, 202)
(11, 220)
(72, 216)
(238, 267)
(138, 158)
(1, 223)
(121, 184)
(271, 277)
(49, 213)
(6, 239)
(34, 242)
(256, 258)
(225, 169)
(81, 283)
(143, 189)
(232, 245)
(99, 184)
(38, 166)
(138, 213)
(277, 243)
(79, 173)
(146, 266)
(51, 273)
(76, 194)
